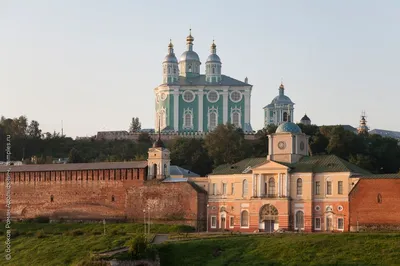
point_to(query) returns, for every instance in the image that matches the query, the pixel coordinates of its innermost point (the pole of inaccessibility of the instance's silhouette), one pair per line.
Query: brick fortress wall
(100, 194)
(367, 210)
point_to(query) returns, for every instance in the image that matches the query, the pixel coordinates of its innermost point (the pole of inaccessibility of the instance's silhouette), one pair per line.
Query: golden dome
(170, 45)
(281, 87)
(213, 46)
(190, 38)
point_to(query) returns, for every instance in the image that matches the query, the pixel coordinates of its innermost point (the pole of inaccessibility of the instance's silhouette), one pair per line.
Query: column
(253, 185)
(279, 184)
(176, 109)
(200, 109)
(269, 145)
(259, 185)
(288, 184)
(225, 106)
(247, 107)
(262, 185)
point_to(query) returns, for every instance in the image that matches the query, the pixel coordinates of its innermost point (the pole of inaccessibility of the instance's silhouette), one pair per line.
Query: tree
(144, 137)
(138, 246)
(225, 144)
(33, 130)
(190, 154)
(75, 156)
(135, 126)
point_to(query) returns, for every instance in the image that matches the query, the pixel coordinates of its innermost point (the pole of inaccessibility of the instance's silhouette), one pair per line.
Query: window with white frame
(236, 96)
(224, 188)
(340, 187)
(236, 117)
(299, 220)
(271, 187)
(231, 222)
(232, 188)
(328, 187)
(299, 189)
(213, 221)
(244, 219)
(317, 187)
(214, 189)
(212, 118)
(340, 223)
(188, 96)
(245, 188)
(317, 223)
(187, 119)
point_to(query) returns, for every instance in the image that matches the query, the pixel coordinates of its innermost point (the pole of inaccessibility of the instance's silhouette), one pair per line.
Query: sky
(94, 64)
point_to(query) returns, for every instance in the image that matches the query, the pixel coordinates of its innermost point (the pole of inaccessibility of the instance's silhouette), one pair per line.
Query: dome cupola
(170, 66)
(288, 127)
(189, 62)
(213, 65)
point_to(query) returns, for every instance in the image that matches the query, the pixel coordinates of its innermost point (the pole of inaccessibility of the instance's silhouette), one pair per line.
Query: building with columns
(188, 101)
(288, 190)
(280, 110)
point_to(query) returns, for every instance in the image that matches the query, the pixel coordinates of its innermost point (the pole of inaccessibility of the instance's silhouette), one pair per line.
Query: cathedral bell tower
(189, 62)
(213, 66)
(158, 160)
(170, 66)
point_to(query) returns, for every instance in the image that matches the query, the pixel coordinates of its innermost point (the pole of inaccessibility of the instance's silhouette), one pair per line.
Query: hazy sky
(94, 64)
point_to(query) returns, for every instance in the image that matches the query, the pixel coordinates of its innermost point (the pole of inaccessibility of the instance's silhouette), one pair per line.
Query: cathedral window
(236, 119)
(212, 96)
(190, 68)
(244, 219)
(212, 118)
(299, 224)
(188, 119)
(169, 70)
(213, 70)
(299, 187)
(188, 96)
(235, 96)
(174, 70)
(271, 187)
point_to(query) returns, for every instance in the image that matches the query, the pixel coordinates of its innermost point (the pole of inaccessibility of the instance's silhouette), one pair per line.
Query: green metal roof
(381, 176)
(239, 167)
(201, 80)
(312, 164)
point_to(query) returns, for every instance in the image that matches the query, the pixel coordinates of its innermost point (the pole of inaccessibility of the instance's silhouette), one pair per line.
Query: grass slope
(285, 249)
(68, 244)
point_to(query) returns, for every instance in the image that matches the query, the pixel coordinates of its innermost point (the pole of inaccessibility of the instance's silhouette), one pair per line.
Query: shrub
(40, 234)
(77, 232)
(138, 246)
(41, 219)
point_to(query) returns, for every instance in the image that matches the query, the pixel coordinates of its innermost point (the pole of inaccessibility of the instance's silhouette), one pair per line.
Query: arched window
(285, 116)
(213, 70)
(212, 120)
(190, 68)
(188, 119)
(379, 198)
(169, 70)
(244, 219)
(245, 188)
(174, 70)
(236, 119)
(271, 187)
(299, 220)
(299, 186)
(154, 170)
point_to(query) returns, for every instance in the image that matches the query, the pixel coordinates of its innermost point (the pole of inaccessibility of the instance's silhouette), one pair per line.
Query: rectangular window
(224, 188)
(317, 225)
(214, 189)
(340, 187)
(328, 187)
(233, 189)
(340, 223)
(317, 187)
(231, 224)
(213, 221)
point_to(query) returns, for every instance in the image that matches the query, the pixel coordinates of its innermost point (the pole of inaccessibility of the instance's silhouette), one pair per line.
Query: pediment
(270, 165)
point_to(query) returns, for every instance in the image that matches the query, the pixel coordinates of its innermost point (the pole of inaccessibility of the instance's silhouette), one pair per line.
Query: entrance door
(223, 223)
(269, 226)
(328, 223)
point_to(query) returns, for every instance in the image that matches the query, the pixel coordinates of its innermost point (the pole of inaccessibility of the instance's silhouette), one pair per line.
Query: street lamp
(208, 205)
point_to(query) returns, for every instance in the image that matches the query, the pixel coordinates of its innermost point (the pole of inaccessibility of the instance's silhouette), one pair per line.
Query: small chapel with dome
(280, 110)
(189, 101)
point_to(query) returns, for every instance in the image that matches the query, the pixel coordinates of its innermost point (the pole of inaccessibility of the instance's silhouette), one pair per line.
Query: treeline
(225, 144)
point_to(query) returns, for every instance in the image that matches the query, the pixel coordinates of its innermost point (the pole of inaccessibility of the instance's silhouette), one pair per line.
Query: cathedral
(279, 110)
(190, 101)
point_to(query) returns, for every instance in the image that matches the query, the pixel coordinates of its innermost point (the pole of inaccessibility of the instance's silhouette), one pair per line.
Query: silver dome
(213, 58)
(170, 58)
(189, 55)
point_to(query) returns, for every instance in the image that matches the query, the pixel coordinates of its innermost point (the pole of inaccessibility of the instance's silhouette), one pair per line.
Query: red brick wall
(89, 195)
(364, 206)
(167, 201)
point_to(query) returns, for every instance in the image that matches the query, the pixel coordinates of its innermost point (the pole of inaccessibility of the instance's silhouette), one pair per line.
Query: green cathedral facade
(188, 101)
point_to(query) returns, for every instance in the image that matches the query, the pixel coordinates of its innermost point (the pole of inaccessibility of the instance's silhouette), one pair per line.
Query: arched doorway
(269, 218)
(154, 171)
(222, 222)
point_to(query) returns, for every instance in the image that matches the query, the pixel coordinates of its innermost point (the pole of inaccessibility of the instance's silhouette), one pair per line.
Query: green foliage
(138, 246)
(135, 125)
(226, 144)
(75, 156)
(40, 234)
(191, 154)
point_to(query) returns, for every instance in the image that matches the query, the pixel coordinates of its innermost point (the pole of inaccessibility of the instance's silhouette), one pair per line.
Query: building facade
(288, 190)
(280, 110)
(188, 101)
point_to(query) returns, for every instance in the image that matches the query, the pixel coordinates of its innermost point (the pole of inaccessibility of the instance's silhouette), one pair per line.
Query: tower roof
(305, 118)
(213, 57)
(170, 57)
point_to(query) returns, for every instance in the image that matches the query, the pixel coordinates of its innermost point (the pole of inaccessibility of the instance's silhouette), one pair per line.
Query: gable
(270, 165)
